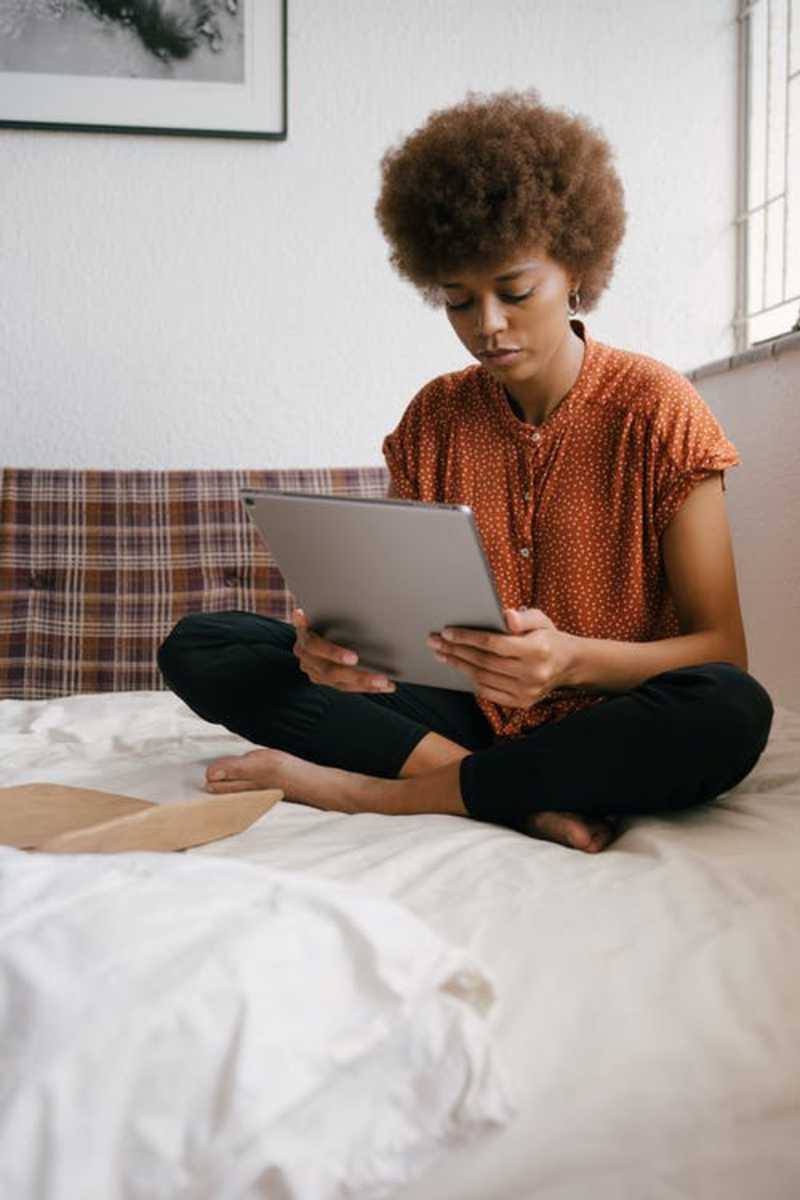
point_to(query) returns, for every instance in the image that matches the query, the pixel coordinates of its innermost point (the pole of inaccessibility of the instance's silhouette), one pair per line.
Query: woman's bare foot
(590, 834)
(345, 791)
(241, 772)
(324, 787)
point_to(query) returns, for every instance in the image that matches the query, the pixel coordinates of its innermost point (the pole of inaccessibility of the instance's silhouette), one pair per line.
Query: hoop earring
(573, 305)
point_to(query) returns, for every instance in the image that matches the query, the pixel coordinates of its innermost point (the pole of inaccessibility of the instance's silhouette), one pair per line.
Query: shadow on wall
(755, 400)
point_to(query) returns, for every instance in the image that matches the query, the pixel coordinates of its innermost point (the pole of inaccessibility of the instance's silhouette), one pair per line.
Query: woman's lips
(500, 358)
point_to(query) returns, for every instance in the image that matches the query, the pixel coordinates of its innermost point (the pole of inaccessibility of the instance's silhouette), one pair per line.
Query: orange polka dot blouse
(571, 512)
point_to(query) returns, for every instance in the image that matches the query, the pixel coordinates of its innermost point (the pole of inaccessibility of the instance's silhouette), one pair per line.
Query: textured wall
(758, 407)
(174, 302)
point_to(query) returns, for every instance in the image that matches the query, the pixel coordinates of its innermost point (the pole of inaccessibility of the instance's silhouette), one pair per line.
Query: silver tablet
(377, 576)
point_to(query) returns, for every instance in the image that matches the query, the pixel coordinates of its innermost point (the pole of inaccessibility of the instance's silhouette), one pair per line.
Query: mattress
(645, 1016)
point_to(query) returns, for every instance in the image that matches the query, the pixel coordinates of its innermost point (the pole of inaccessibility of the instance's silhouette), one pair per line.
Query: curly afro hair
(481, 179)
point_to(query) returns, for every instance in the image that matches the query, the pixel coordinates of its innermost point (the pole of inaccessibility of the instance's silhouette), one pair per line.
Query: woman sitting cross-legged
(596, 476)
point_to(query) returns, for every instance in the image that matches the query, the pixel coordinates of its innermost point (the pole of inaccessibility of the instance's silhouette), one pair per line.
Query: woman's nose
(490, 317)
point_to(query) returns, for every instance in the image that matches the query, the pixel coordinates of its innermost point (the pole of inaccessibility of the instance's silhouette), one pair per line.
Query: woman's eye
(517, 299)
(507, 299)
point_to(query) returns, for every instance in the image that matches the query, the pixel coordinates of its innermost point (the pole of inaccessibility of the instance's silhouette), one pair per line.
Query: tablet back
(378, 576)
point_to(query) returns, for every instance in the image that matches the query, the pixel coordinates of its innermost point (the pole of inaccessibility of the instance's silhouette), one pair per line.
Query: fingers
(495, 678)
(317, 647)
(525, 620)
(309, 645)
(492, 643)
(334, 666)
(491, 685)
(345, 679)
(470, 656)
(299, 619)
(350, 679)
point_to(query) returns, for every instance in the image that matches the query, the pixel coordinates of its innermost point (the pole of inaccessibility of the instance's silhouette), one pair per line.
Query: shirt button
(537, 437)
(526, 496)
(525, 552)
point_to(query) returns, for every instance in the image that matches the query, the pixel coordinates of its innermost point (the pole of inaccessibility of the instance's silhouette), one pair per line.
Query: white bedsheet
(648, 998)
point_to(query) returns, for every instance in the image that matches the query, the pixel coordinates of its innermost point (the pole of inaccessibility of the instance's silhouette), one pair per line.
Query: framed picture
(208, 68)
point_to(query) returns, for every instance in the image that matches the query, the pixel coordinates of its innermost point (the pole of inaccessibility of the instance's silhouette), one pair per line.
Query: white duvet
(207, 1028)
(644, 1042)
(177, 1026)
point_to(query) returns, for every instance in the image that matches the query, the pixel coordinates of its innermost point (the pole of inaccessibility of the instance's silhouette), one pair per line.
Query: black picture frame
(256, 108)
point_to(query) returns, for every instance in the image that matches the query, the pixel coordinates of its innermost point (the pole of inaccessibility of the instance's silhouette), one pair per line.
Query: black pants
(676, 740)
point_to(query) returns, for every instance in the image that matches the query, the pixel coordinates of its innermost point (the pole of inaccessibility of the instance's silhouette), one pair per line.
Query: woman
(596, 476)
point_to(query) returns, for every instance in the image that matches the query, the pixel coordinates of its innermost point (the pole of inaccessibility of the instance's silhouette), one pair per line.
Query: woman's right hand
(335, 666)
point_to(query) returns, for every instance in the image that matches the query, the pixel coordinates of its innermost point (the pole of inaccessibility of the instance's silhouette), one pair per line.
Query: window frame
(745, 310)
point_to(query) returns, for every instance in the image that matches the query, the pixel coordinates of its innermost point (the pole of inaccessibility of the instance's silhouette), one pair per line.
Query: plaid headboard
(97, 566)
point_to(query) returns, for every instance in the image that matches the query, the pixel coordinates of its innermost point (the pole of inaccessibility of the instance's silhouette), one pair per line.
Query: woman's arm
(698, 560)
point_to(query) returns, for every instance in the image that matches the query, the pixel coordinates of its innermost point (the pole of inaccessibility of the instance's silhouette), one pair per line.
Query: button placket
(536, 437)
(526, 552)
(533, 437)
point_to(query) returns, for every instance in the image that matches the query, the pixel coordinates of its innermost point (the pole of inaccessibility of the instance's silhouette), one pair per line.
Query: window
(768, 220)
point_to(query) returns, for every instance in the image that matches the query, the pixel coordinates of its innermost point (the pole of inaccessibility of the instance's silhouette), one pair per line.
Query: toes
(591, 836)
(222, 768)
(232, 785)
(227, 775)
(595, 833)
(598, 840)
(240, 766)
(240, 773)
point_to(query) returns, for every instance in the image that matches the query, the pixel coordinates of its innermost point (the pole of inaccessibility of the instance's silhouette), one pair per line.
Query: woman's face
(512, 316)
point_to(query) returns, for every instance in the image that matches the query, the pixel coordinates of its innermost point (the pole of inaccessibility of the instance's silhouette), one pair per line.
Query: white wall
(172, 302)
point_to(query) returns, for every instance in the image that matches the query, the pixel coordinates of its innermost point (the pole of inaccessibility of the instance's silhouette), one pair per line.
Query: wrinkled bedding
(176, 1026)
(646, 999)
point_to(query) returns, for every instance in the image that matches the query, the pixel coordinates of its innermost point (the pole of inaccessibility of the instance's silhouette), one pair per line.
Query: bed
(530, 1022)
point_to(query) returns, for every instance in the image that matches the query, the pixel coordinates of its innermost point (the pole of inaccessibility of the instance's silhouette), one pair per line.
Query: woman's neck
(536, 399)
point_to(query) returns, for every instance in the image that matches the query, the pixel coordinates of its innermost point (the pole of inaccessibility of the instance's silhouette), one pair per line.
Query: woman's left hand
(516, 669)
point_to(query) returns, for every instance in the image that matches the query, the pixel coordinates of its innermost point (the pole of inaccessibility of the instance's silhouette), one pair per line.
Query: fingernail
(350, 658)
(447, 633)
(439, 657)
(218, 774)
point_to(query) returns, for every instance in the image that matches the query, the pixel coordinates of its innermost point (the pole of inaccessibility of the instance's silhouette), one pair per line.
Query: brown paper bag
(56, 819)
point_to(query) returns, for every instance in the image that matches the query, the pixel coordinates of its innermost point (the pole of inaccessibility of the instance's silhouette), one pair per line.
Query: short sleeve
(412, 450)
(401, 460)
(691, 446)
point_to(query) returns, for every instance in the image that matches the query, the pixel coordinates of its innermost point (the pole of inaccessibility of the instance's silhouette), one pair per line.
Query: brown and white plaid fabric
(97, 566)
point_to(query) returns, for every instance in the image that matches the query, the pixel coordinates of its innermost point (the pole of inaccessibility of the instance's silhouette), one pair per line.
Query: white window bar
(768, 176)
